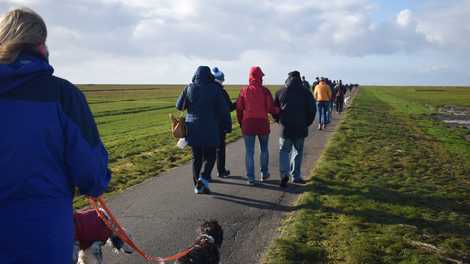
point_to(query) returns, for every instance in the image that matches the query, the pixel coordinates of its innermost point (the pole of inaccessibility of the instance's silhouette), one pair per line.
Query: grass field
(393, 186)
(135, 128)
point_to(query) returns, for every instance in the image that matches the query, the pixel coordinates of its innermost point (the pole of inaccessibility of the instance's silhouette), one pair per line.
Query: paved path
(163, 213)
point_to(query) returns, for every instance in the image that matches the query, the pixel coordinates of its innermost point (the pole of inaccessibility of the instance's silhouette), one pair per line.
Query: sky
(394, 42)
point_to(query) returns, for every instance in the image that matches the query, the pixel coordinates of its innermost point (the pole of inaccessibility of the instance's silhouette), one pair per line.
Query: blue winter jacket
(208, 112)
(49, 144)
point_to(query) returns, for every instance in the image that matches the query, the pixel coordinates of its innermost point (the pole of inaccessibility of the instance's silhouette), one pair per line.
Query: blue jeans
(330, 112)
(290, 157)
(323, 112)
(250, 152)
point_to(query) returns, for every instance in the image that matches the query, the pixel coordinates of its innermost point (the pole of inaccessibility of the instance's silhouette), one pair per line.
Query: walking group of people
(294, 107)
(50, 146)
(329, 95)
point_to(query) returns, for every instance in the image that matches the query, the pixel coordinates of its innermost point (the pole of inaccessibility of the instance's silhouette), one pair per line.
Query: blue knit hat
(218, 74)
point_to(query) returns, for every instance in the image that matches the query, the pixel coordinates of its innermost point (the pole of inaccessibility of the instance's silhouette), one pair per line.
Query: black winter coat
(231, 105)
(297, 109)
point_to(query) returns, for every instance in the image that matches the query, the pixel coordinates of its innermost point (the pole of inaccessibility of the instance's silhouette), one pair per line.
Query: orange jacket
(322, 92)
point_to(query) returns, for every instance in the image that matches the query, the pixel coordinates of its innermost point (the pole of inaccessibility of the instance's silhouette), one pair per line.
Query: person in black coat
(305, 83)
(297, 112)
(219, 79)
(340, 92)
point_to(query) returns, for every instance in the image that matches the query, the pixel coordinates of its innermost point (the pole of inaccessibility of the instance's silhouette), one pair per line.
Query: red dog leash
(110, 221)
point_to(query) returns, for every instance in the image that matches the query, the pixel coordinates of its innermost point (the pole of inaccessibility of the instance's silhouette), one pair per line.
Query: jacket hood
(294, 81)
(203, 75)
(25, 67)
(256, 77)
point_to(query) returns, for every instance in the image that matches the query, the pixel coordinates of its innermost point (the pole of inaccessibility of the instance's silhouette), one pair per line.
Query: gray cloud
(237, 33)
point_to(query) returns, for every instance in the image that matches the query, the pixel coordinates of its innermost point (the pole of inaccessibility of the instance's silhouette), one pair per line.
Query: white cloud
(404, 18)
(447, 26)
(163, 41)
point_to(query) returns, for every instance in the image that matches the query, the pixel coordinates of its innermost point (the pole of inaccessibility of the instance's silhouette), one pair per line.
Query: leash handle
(113, 224)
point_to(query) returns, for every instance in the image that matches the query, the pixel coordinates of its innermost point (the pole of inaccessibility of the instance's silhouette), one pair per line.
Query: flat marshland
(393, 185)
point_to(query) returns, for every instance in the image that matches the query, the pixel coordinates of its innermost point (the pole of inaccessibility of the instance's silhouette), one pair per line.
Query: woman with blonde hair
(49, 145)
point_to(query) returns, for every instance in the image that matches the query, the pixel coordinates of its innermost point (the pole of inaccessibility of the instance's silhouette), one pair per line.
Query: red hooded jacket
(253, 105)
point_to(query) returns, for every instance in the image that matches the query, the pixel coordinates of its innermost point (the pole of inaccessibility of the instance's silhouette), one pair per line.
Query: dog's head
(211, 230)
(205, 249)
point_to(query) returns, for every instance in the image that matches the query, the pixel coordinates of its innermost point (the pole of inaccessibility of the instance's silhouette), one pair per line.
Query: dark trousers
(221, 154)
(339, 104)
(203, 156)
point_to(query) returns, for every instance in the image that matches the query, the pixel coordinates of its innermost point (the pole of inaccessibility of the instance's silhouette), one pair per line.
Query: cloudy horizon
(154, 42)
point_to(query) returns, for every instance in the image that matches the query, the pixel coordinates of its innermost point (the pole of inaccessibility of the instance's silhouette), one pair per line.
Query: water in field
(455, 116)
(465, 123)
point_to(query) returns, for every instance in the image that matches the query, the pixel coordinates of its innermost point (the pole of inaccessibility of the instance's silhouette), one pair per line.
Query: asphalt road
(163, 212)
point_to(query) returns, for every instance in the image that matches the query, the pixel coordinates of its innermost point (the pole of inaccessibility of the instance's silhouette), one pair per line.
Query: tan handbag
(178, 126)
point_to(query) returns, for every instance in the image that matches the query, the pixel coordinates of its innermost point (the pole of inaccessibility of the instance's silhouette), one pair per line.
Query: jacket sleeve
(86, 159)
(224, 112)
(231, 106)
(270, 104)
(240, 107)
(315, 93)
(310, 108)
(277, 105)
(181, 103)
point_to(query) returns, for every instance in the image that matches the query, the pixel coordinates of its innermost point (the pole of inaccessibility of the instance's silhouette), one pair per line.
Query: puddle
(454, 117)
(465, 123)
(455, 111)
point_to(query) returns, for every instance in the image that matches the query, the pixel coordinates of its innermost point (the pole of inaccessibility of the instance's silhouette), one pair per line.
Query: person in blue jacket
(208, 113)
(49, 145)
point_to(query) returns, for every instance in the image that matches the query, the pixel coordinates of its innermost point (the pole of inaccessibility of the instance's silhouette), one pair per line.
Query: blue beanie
(218, 75)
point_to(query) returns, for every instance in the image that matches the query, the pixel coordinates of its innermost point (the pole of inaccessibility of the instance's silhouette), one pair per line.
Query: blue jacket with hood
(49, 144)
(208, 112)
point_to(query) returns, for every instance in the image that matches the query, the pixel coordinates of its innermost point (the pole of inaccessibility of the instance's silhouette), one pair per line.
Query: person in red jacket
(253, 105)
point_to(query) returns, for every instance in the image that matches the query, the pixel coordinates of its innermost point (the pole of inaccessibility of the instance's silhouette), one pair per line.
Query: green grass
(393, 186)
(135, 128)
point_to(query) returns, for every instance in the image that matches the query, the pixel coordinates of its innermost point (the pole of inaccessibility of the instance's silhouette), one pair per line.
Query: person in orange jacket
(322, 94)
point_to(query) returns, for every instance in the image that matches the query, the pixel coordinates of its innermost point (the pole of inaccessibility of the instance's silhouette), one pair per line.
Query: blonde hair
(20, 29)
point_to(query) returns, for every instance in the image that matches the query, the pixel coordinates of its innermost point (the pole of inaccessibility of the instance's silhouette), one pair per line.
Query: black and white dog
(91, 234)
(205, 249)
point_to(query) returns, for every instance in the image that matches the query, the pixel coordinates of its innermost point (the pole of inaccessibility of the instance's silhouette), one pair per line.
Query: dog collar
(209, 238)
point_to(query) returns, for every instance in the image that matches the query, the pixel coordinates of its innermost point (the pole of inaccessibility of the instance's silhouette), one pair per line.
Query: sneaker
(198, 189)
(206, 190)
(265, 177)
(251, 182)
(202, 187)
(224, 174)
(202, 190)
(299, 181)
(320, 127)
(284, 181)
